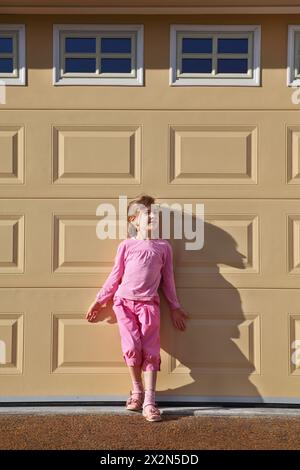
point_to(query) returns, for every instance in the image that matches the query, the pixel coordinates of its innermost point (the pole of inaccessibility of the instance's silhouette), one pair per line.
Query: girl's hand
(179, 317)
(94, 311)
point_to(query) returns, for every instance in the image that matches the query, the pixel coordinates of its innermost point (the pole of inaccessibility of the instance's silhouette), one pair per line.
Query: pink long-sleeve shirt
(140, 267)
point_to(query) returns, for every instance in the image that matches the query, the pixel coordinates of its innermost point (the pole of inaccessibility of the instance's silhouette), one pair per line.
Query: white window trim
(81, 28)
(20, 59)
(211, 81)
(291, 79)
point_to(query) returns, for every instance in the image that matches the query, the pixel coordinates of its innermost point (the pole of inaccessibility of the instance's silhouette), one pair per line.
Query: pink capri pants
(139, 327)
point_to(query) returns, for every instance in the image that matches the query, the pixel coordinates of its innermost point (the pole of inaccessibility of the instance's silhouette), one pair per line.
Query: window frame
(215, 31)
(85, 30)
(292, 79)
(17, 31)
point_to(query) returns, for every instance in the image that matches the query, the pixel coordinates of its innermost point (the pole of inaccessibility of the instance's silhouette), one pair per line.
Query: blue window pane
(80, 65)
(80, 45)
(196, 65)
(232, 65)
(6, 45)
(235, 46)
(6, 65)
(201, 45)
(116, 65)
(115, 44)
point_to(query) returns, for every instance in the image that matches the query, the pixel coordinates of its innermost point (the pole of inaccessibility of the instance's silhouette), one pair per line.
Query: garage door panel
(238, 343)
(157, 93)
(101, 154)
(228, 153)
(244, 246)
(197, 152)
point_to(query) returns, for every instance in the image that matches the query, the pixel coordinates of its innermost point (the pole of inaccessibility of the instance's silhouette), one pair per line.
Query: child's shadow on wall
(220, 347)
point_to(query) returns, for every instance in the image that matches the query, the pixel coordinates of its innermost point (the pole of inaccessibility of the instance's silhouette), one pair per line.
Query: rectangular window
(12, 54)
(98, 54)
(215, 55)
(293, 62)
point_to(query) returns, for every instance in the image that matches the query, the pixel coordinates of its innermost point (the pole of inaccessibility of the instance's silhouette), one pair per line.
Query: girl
(141, 262)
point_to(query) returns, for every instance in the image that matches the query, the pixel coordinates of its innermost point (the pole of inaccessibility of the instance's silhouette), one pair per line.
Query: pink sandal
(134, 403)
(151, 412)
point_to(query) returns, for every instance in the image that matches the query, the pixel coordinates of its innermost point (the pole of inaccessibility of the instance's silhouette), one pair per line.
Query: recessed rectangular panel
(82, 347)
(293, 243)
(293, 154)
(225, 344)
(12, 154)
(96, 154)
(11, 343)
(94, 255)
(12, 245)
(213, 154)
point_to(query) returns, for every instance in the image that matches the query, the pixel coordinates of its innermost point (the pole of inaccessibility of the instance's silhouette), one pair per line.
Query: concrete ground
(108, 428)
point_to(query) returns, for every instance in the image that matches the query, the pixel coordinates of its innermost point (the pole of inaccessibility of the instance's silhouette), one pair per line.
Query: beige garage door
(241, 289)
(61, 158)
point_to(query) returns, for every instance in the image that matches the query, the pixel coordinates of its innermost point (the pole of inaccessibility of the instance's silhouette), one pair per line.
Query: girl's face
(146, 220)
